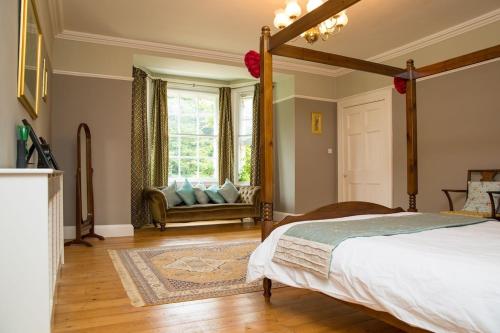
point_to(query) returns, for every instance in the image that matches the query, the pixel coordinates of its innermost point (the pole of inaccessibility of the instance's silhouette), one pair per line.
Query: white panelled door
(365, 148)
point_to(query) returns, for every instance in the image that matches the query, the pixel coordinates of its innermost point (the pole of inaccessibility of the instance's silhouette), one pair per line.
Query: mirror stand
(84, 189)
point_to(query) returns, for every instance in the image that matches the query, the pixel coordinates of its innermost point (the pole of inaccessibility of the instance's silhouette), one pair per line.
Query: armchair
(482, 195)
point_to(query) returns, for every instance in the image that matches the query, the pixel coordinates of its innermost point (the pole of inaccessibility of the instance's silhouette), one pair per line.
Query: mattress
(443, 280)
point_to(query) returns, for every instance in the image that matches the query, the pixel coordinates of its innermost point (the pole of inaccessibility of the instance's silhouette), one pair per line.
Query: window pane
(173, 104)
(188, 124)
(246, 127)
(172, 123)
(173, 168)
(247, 108)
(173, 146)
(188, 146)
(206, 105)
(188, 105)
(207, 169)
(207, 147)
(206, 125)
(188, 168)
(244, 160)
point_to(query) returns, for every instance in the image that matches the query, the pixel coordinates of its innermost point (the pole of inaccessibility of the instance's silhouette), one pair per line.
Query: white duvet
(443, 280)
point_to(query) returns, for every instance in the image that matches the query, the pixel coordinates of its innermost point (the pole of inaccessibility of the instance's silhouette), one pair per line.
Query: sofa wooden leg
(242, 220)
(162, 227)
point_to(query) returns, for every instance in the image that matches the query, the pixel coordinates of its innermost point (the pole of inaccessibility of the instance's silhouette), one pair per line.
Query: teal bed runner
(310, 246)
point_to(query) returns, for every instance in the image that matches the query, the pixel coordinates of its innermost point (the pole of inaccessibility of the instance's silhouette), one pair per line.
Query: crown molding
(472, 24)
(312, 98)
(94, 75)
(177, 50)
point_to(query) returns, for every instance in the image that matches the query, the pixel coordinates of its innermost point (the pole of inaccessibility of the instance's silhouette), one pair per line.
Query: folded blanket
(310, 246)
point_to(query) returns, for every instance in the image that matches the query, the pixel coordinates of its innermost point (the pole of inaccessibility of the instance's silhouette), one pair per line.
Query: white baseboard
(111, 230)
(278, 216)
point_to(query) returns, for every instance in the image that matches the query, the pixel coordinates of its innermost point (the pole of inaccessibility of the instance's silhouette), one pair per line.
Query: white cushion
(477, 198)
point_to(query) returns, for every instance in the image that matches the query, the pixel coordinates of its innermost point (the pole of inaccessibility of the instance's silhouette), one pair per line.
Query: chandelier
(284, 17)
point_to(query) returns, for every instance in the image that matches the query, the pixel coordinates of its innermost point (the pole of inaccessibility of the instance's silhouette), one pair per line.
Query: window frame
(197, 91)
(237, 95)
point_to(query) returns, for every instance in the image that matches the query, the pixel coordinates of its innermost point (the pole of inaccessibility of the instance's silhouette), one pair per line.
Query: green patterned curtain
(255, 172)
(140, 172)
(226, 137)
(159, 134)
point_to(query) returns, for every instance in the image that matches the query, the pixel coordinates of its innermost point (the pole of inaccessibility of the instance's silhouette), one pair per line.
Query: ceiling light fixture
(284, 17)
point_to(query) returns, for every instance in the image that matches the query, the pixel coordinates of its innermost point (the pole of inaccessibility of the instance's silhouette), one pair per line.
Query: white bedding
(443, 280)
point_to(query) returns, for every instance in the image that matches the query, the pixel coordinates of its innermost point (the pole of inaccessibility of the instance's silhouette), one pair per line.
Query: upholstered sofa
(247, 205)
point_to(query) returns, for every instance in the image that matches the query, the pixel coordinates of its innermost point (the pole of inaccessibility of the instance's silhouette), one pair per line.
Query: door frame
(382, 94)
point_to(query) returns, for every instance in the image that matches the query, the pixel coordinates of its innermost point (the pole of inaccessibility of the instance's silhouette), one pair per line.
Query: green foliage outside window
(244, 176)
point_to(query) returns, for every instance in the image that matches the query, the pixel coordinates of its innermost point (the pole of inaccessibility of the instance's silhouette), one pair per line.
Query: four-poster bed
(275, 45)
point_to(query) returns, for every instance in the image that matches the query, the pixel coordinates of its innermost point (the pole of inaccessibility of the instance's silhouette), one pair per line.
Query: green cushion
(201, 196)
(229, 192)
(186, 193)
(213, 194)
(170, 194)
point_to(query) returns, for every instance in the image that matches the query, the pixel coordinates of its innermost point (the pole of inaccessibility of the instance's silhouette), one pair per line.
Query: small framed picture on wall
(316, 122)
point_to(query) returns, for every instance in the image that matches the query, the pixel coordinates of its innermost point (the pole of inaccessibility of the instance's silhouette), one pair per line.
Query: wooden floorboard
(91, 299)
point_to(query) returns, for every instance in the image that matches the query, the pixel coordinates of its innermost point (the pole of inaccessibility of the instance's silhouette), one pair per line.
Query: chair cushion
(170, 194)
(214, 195)
(201, 196)
(229, 192)
(186, 192)
(477, 198)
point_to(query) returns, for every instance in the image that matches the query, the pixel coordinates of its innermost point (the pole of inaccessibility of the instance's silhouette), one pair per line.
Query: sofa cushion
(172, 197)
(201, 196)
(186, 193)
(209, 207)
(229, 192)
(214, 195)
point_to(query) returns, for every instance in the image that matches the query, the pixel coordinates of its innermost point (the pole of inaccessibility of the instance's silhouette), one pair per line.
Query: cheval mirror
(84, 189)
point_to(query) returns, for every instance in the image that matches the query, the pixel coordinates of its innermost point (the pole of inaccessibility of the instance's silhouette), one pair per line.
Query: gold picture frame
(45, 80)
(316, 122)
(30, 51)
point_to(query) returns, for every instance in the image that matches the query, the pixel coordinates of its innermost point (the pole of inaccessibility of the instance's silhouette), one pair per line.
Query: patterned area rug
(173, 274)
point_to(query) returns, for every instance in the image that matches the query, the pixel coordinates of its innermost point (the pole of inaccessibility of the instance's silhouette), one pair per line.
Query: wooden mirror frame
(84, 226)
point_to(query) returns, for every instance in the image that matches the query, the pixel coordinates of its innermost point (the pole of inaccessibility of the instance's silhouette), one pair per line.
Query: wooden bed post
(411, 138)
(266, 109)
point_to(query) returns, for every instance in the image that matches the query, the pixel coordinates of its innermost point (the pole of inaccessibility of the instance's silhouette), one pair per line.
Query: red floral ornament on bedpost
(252, 61)
(400, 85)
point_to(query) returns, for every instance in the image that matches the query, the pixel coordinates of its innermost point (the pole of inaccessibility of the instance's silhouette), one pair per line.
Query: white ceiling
(375, 26)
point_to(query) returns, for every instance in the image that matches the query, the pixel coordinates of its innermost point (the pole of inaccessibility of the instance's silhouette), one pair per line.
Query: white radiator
(31, 247)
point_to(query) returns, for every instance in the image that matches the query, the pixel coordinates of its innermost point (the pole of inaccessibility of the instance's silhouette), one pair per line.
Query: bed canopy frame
(276, 45)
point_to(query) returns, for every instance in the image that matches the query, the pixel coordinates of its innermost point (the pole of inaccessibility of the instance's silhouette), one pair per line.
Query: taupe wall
(11, 111)
(284, 156)
(105, 105)
(305, 174)
(458, 128)
(315, 169)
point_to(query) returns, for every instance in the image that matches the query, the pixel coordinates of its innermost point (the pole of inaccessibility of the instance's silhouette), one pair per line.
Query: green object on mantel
(22, 132)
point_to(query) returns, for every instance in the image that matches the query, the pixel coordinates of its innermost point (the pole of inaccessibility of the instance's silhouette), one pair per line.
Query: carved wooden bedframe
(275, 45)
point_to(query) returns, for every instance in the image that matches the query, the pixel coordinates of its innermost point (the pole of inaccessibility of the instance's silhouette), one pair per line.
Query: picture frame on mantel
(316, 122)
(30, 52)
